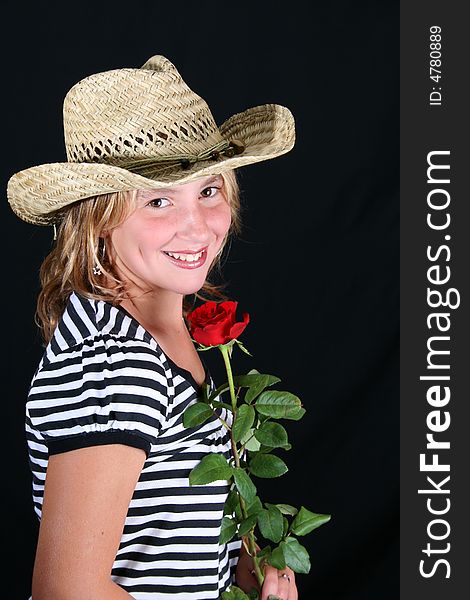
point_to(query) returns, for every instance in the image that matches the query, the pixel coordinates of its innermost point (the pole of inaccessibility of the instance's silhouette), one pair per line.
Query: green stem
(224, 423)
(233, 397)
(250, 534)
(228, 368)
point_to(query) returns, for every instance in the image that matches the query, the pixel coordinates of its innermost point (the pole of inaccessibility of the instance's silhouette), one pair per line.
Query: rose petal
(215, 323)
(238, 328)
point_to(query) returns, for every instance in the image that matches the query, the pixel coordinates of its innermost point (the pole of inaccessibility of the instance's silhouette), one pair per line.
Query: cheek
(222, 220)
(125, 241)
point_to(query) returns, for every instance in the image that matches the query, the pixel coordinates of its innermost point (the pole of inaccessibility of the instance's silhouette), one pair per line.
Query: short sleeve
(106, 390)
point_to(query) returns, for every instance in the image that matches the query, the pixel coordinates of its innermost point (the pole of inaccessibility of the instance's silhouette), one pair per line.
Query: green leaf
(227, 530)
(256, 382)
(196, 414)
(247, 524)
(296, 555)
(262, 383)
(244, 419)
(213, 467)
(265, 449)
(277, 559)
(270, 523)
(244, 484)
(254, 507)
(285, 522)
(220, 390)
(253, 594)
(272, 434)
(234, 593)
(285, 526)
(265, 552)
(249, 441)
(279, 405)
(306, 521)
(238, 513)
(267, 465)
(252, 445)
(253, 380)
(287, 509)
(218, 404)
(231, 502)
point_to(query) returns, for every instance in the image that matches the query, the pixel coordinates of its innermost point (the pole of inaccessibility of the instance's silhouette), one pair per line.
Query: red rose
(215, 323)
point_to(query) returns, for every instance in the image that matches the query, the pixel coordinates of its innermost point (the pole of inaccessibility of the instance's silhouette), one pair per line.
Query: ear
(105, 244)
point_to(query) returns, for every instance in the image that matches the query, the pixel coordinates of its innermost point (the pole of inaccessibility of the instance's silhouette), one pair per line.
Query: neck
(157, 311)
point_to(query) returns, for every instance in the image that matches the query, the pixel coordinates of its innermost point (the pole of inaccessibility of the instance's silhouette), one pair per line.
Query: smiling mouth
(185, 256)
(187, 260)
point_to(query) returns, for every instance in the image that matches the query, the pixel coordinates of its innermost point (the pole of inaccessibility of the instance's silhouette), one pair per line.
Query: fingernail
(271, 597)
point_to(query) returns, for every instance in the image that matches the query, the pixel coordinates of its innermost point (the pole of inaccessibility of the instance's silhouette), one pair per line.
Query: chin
(189, 288)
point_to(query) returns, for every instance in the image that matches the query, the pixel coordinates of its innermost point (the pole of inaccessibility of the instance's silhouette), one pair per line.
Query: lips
(186, 264)
(188, 257)
(186, 251)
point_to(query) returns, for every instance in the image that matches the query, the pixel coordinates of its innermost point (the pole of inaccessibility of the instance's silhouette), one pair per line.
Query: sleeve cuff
(99, 438)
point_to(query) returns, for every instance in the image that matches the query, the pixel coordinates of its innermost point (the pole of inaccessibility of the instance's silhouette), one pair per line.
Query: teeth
(186, 257)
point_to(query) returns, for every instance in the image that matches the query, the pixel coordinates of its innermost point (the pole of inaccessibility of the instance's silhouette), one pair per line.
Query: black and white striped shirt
(104, 379)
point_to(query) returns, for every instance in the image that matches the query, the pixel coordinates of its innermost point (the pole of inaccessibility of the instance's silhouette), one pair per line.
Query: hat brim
(39, 194)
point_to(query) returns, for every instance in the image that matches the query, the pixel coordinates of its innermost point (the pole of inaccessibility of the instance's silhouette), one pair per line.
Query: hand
(279, 584)
(274, 584)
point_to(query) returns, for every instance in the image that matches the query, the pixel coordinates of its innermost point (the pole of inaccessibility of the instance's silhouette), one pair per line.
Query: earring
(97, 269)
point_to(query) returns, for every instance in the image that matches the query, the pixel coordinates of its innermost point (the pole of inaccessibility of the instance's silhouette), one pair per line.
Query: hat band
(146, 166)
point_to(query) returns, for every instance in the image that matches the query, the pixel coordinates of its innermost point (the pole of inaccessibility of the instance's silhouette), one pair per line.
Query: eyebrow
(207, 182)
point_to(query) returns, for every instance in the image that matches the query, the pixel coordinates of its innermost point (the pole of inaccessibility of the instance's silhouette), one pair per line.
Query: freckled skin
(189, 216)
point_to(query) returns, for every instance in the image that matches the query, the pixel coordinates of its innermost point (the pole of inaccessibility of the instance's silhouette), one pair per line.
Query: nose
(193, 223)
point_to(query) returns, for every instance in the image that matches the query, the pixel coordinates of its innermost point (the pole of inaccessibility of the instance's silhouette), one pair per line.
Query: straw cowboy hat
(143, 129)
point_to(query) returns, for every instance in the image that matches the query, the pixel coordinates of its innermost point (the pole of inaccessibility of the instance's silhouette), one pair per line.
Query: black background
(316, 265)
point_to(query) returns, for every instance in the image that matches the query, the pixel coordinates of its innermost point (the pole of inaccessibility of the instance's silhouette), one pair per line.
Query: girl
(142, 211)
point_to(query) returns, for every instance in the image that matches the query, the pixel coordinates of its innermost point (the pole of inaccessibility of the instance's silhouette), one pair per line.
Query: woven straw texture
(142, 129)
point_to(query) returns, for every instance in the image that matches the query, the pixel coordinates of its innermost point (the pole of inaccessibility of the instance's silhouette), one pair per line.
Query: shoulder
(86, 320)
(100, 374)
(95, 344)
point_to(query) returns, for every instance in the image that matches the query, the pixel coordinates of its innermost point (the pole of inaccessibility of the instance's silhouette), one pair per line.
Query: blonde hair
(78, 250)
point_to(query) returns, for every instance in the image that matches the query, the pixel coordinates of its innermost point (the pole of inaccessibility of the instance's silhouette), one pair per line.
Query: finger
(293, 594)
(283, 586)
(287, 589)
(270, 584)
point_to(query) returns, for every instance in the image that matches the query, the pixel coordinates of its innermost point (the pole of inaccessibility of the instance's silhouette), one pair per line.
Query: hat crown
(131, 114)
(131, 129)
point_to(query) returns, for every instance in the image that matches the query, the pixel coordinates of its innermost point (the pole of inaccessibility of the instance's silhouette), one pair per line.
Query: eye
(155, 203)
(210, 191)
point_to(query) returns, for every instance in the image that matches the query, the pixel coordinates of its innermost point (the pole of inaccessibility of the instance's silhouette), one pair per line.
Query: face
(189, 221)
